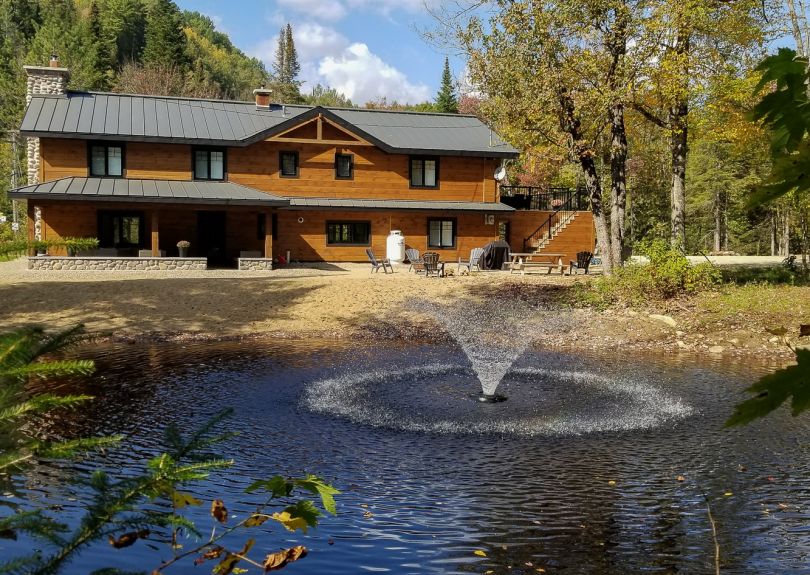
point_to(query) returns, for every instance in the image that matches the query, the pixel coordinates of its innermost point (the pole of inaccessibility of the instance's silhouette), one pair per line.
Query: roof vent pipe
(262, 96)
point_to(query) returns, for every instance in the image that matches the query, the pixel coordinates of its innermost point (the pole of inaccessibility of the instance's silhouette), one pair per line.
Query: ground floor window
(120, 229)
(348, 233)
(441, 233)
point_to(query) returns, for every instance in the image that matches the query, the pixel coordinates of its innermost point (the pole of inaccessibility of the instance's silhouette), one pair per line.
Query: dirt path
(342, 301)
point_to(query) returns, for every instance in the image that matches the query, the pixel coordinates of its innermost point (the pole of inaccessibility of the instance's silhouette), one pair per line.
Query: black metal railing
(562, 211)
(544, 199)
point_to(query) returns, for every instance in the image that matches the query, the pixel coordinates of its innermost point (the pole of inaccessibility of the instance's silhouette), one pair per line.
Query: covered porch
(146, 219)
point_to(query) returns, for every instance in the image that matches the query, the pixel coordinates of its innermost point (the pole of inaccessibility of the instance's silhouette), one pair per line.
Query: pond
(578, 472)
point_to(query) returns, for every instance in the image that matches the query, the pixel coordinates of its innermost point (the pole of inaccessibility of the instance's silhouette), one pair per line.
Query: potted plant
(556, 203)
(76, 245)
(182, 248)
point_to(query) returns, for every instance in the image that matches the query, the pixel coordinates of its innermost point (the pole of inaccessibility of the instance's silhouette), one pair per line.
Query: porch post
(155, 233)
(268, 234)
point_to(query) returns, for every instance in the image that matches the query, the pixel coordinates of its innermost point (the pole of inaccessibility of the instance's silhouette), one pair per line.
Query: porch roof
(151, 191)
(361, 204)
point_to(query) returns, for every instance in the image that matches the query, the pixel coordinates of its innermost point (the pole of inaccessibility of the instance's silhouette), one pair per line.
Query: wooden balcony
(544, 199)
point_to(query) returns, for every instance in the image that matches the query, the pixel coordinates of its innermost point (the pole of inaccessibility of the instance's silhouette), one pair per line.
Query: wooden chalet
(141, 173)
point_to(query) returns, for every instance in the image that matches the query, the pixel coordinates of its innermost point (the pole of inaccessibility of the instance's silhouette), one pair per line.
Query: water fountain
(552, 394)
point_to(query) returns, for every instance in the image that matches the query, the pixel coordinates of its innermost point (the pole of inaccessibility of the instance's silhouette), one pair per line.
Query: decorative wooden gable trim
(319, 130)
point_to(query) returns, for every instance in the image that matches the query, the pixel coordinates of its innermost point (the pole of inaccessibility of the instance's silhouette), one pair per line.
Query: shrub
(73, 245)
(667, 274)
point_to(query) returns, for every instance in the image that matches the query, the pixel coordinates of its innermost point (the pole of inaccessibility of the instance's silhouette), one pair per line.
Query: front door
(211, 238)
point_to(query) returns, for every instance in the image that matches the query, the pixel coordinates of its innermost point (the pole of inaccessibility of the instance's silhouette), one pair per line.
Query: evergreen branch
(21, 565)
(61, 340)
(36, 524)
(51, 368)
(39, 404)
(70, 447)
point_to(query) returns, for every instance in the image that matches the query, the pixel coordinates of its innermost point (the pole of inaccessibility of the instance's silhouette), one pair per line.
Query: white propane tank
(395, 247)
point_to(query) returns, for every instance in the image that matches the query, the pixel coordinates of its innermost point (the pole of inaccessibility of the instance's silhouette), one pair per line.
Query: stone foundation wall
(255, 264)
(115, 264)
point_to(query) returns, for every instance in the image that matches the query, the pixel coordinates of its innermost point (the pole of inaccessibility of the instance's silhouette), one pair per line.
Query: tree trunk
(618, 181)
(774, 217)
(678, 149)
(617, 46)
(570, 124)
(785, 244)
(720, 221)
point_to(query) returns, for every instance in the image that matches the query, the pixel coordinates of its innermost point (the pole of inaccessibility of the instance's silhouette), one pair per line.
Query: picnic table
(527, 262)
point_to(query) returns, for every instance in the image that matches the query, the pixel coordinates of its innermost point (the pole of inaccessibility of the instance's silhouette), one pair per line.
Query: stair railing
(564, 208)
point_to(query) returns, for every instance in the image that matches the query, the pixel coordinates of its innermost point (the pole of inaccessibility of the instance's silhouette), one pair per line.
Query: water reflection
(604, 502)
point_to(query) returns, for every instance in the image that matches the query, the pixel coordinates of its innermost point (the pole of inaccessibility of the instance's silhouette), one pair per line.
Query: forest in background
(153, 47)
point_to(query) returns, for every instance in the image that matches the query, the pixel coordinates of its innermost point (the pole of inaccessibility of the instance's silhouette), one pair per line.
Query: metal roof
(347, 203)
(95, 115)
(153, 191)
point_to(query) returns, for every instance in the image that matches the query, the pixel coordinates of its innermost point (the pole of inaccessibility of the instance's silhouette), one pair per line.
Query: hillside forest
(647, 104)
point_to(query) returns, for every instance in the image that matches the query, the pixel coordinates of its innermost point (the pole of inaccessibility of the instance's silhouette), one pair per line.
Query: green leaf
(306, 510)
(277, 486)
(318, 486)
(774, 389)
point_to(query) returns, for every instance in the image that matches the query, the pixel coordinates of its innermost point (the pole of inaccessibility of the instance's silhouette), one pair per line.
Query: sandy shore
(346, 301)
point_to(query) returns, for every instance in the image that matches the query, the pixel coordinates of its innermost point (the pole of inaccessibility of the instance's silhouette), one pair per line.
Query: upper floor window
(209, 164)
(288, 164)
(344, 166)
(106, 160)
(424, 172)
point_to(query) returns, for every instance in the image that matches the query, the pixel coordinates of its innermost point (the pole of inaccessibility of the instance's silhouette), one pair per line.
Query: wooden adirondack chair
(432, 266)
(474, 262)
(377, 264)
(415, 260)
(583, 263)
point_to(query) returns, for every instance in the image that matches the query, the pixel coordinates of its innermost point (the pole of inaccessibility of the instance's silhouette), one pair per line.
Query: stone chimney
(50, 79)
(262, 96)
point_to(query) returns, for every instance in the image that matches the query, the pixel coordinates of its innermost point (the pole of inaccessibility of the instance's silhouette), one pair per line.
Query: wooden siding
(306, 240)
(62, 159)
(158, 161)
(377, 174)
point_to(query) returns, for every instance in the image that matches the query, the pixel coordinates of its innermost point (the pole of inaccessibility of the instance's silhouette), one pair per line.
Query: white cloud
(327, 57)
(330, 10)
(363, 76)
(313, 41)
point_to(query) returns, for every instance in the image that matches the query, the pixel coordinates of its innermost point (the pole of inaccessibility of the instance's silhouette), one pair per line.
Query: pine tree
(67, 34)
(446, 100)
(281, 52)
(286, 68)
(165, 39)
(291, 65)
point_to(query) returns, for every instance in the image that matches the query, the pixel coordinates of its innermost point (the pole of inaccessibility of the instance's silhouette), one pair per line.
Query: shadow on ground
(217, 306)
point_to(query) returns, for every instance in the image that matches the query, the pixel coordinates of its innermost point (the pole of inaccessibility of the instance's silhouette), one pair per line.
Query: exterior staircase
(565, 233)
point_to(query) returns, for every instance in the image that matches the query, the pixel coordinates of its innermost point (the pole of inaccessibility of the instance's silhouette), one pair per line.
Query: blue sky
(364, 48)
